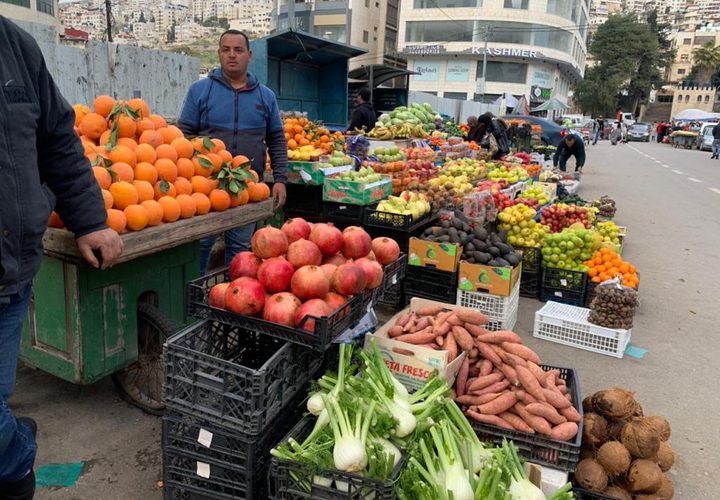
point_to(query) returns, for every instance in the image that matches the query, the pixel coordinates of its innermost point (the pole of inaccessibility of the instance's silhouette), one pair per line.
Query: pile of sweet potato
(500, 381)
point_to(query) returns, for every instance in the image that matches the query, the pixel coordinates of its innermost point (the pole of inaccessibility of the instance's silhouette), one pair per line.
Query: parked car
(640, 131)
(550, 131)
(705, 137)
(628, 119)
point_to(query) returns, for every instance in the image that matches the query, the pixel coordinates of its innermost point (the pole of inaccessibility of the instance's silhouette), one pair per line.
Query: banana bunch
(404, 131)
(383, 133)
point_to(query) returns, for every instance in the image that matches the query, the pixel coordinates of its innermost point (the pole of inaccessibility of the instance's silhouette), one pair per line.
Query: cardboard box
(411, 364)
(356, 193)
(550, 189)
(441, 256)
(493, 280)
(311, 173)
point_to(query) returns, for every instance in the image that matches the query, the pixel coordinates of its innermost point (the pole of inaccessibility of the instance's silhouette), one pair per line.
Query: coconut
(661, 425)
(644, 476)
(665, 456)
(614, 458)
(615, 428)
(615, 403)
(650, 496)
(637, 409)
(595, 430)
(617, 492)
(667, 488)
(587, 451)
(640, 438)
(587, 404)
(590, 475)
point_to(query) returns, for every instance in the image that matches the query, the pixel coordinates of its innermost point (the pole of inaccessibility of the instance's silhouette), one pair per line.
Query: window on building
(699, 98)
(516, 4)
(687, 98)
(569, 9)
(21, 3)
(446, 4)
(680, 98)
(687, 41)
(506, 72)
(392, 15)
(707, 99)
(366, 36)
(460, 96)
(336, 33)
(684, 57)
(46, 6)
(440, 31)
(390, 41)
(681, 71)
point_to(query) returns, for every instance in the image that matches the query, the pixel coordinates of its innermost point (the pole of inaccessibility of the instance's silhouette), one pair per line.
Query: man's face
(358, 100)
(234, 54)
(570, 140)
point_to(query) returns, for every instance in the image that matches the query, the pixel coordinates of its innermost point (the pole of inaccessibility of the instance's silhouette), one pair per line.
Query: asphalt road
(668, 198)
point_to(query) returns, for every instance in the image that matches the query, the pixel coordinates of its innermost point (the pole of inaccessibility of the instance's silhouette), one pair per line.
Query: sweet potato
(417, 338)
(547, 412)
(564, 431)
(522, 351)
(517, 422)
(402, 320)
(422, 323)
(525, 397)
(474, 370)
(395, 331)
(410, 325)
(550, 377)
(555, 398)
(443, 328)
(530, 383)
(463, 338)
(451, 347)
(482, 382)
(489, 419)
(488, 352)
(537, 371)
(470, 400)
(514, 360)
(509, 372)
(539, 424)
(473, 352)
(571, 414)
(500, 404)
(476, 330)
(486, 367)
(454, 320)
(429, 310)
(440, 340)
(431, 345)
(462, 376)
(471, 316)
(496, 387)
(500, 336)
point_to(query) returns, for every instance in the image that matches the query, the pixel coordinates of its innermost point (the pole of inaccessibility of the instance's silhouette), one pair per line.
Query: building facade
(702, 98)
(685, 43)
(32, 11)
(535, 48)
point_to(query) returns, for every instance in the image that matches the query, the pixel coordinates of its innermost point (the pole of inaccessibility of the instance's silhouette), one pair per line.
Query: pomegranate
(275, 274)
(296, 229)
(245, 296)
(244, 264)
(328, 269)
(303, 253)
(269, 242)
(217, 295)
(313, 307)
(309, 282)
(327, 237)
(349, 279)
(386, 250)
(281, 308)
(334, 301)
(356, 242)
(371, 256)
(337, 259)
(373, 272)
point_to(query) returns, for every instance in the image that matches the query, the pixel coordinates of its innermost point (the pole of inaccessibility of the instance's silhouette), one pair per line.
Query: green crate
(356, 193)
(312, 173)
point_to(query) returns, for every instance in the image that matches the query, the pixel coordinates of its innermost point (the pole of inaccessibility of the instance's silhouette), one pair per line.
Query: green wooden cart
(84, 324)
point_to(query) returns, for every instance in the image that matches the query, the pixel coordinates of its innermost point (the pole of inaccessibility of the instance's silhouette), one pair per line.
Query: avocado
(480, 233)
(504, 249)
(480, 245)
(454, 238)
(493, 263)
(503, 235)
(458, 224)
(482, 257)
(513, 259)
(443, 238)
(494, 251)
(502, 263)
(469, 247)
(445, 223)
(466, 227)
(471, 260)
(463, 237)
(495, 239)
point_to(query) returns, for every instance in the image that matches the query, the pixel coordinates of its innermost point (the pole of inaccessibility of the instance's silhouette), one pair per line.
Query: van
(628, 119)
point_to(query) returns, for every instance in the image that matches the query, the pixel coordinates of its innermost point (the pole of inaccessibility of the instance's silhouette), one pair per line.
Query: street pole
(486, 35)
(108, 19)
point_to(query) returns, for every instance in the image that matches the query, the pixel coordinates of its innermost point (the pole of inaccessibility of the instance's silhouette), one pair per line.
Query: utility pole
(108, 19)
(486, 35)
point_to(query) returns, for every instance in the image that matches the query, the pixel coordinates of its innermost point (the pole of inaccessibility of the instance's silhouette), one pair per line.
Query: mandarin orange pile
(607, 264)
(151, 174)
(299, 132)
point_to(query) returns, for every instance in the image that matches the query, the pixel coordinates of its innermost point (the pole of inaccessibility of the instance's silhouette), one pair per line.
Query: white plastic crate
(503, 323)
(501, 311)
(568, 325)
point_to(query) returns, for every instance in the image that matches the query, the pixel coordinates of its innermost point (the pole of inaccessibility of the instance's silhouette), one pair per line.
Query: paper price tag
(394, 280)
(306, 177)
(558, 294)
(205, 438)
(563, 282)
(203, 470)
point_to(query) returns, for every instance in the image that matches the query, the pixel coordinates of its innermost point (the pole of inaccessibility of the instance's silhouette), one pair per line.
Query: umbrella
(522, 107)
(693, 115)
(510, 100)
(552, 104)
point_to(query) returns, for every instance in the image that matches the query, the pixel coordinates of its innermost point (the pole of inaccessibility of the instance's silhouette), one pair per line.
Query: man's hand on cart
(107, 241)
(279, 195)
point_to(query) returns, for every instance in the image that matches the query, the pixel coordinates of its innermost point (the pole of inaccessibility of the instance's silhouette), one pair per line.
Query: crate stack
(502, 312)
(530, 279)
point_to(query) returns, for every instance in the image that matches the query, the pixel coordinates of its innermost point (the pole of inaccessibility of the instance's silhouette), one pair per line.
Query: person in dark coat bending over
(568, 147)
(364, 115)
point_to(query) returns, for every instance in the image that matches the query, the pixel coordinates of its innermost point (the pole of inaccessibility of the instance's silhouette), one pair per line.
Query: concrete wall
(460, 110)
(702, 98)
(124, 72)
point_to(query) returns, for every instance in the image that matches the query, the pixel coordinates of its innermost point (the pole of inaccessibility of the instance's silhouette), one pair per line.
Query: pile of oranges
(607, 264)
(150, 173)
(299, 132)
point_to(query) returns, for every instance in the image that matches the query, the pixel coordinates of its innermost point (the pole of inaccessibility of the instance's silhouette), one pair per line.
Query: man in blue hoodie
(233, 106)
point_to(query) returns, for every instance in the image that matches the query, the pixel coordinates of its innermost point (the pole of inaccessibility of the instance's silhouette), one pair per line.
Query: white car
(705, 137)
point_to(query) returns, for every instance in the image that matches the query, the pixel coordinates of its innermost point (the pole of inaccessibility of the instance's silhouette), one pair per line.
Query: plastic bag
(614, 305)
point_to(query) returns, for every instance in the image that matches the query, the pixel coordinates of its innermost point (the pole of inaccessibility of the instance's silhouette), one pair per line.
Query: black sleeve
(356, 121)
(580, 153)
(556, 158)
(62, 162)
(277, 149)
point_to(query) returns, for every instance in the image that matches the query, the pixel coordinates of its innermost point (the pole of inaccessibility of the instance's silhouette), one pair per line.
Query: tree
(706, 58)
(597, 93)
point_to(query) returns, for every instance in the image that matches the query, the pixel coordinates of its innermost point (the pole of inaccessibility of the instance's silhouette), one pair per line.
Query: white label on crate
(558, 294)
(203, 470)
(306, 177)
(369, 306)
(205, 438)
(563, 282)
(394, 280)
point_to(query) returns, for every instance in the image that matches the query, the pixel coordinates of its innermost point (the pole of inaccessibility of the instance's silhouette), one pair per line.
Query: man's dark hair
(364, 94)
(235, 32)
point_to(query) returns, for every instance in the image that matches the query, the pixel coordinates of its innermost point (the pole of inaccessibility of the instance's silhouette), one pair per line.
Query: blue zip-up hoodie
(247, 120)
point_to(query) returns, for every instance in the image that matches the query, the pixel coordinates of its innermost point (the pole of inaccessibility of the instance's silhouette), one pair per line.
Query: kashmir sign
(478, 50)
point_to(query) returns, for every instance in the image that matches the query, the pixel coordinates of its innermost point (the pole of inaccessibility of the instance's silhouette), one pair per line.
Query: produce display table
(85, 324)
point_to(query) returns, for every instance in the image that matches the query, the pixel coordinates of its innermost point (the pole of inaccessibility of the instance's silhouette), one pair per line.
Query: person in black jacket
(716, 142)
(570, 146)
(363, 117)
(42, 168)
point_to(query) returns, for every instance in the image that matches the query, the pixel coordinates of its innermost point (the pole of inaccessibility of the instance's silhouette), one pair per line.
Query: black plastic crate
(303, 200)
(394, 296)
(237, 463)
(233, 377)
(562, 285)
(293, 480)
(530, 284)
(542, 450)
(393, 274)
(429, 283)
(326, 329)
(343, 213)
(532, 257)
(395, 222)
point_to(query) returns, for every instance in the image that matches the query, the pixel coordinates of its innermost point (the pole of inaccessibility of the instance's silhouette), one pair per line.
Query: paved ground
(668, 198)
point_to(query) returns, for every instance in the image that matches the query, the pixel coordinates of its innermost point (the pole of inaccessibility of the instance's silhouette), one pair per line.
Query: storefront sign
(539, 94)
(429, 71)
(478, 50)
(424, 49)
(542, 78)
(457, 71)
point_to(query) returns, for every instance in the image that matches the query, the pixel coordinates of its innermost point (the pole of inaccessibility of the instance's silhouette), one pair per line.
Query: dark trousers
(562, 162)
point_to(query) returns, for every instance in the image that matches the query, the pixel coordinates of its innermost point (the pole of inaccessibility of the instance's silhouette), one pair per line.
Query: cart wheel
(141, 383)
